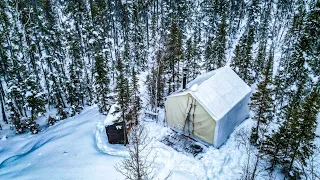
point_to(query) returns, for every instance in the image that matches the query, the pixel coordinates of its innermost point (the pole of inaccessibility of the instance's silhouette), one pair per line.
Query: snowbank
(102, 139)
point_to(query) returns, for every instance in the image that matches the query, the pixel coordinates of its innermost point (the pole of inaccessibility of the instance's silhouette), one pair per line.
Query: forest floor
(77, 148)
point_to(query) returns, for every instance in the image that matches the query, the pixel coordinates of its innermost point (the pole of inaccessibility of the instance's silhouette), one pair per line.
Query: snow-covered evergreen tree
(242, 60)
(139, 50)
(293, 143)
(15, 118)
(219, 45)
(75, 84)
(102, 84)
(173, 57)
(122, 96)
(35, 102)
(259, 62)
(262, 103)
(192, 59)
(135, 101)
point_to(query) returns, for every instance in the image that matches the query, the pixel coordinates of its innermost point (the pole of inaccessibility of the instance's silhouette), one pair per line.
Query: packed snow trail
(66, 150)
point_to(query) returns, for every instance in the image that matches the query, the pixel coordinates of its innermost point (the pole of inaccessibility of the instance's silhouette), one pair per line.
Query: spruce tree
(219, 45)
(88, 88)
(302, 126)
(135, 100)
(273, 147)
(139, 50)
(294, 141)
(236, 14)
(122, 97)
(242, 60)
(312, 32)
(126, 57)
(291, 70)
(296, 75)
(259, 63)
(279, 91)
(4, 34)
(192, 59)
(189, 50)
(102, 84)
(75, 84)
(16, 93)
(54, 56)
(80, 52)
(160, 80)
(253, 13)
(208, 56)
(28, 15)
(173, 57)
(262, 103)
(35, 103)
(155, 81)
(195, 68)
(210, 11)
(15, 118)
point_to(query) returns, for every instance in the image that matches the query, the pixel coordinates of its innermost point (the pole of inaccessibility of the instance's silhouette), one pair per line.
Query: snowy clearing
(66, 150)
(77, 148)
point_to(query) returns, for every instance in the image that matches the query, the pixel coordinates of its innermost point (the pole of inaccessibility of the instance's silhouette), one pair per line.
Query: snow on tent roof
(218, 91)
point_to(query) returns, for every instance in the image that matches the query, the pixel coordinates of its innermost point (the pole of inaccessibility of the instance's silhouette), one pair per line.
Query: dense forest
(65, 55)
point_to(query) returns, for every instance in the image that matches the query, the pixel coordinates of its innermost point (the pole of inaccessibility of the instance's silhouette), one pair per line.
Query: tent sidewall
(230, 121)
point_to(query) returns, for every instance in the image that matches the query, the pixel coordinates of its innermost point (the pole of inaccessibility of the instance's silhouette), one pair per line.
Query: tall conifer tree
(242, 60)
(122, 97)
(262, 103)
(219, 44)
(102, 83)
(35, 103)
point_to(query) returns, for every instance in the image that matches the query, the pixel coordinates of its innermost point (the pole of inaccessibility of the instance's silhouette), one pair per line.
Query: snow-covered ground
(77, 148)
(66, 150)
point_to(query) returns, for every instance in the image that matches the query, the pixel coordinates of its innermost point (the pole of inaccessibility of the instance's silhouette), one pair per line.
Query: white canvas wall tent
(210, 107)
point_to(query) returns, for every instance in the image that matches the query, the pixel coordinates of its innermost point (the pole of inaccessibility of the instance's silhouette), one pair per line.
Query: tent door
(188, 128)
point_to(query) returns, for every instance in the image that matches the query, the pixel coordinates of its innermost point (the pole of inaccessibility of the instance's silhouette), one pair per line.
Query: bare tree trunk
(255, 168)
(2, 98)
(124, 129)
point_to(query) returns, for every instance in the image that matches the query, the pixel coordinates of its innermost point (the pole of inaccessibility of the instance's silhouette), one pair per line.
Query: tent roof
(217, 91)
